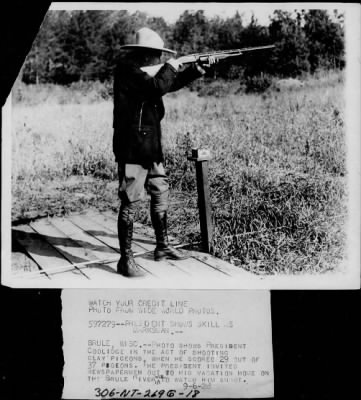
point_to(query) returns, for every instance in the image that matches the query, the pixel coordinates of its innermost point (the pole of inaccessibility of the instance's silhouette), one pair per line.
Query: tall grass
(277, 175)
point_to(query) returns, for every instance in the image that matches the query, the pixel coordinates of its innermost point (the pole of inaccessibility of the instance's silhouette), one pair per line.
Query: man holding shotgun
(138, 111)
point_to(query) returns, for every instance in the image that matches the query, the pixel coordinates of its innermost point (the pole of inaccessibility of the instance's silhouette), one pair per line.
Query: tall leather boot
(163, 249)
(126, 265)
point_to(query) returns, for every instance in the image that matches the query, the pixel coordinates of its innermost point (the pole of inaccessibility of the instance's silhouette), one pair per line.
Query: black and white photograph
(182, 145)
(180, 200)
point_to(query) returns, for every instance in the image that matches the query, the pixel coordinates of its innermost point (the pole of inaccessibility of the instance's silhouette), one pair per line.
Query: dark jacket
(139, 108)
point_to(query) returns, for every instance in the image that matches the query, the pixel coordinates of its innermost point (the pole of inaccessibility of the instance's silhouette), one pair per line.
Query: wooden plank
(103, 272)
(22, 263)
(198, 269)
(103, 278)
(92, 247)
(77, 228)
(45, 255)
(217, 263)
(162, 269)
(86, 247)
(102, 232)
(69, 248)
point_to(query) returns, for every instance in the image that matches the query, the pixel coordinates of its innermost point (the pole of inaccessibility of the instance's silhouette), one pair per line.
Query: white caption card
(164, 344)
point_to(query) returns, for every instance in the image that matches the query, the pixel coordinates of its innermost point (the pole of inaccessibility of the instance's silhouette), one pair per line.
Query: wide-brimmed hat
(148, 39)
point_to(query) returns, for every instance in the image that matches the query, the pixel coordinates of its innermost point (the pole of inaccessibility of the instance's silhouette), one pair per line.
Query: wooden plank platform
(82, 250)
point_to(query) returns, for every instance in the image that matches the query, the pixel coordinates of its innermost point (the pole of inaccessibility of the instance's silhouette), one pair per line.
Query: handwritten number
(148, 393)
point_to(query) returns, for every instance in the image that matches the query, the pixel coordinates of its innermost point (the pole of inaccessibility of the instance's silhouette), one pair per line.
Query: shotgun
(203, 58)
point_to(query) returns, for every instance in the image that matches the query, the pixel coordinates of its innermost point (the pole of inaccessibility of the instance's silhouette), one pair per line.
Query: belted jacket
(139, 109)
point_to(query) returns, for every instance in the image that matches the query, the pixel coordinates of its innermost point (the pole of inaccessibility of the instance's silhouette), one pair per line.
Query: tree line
(84, 45)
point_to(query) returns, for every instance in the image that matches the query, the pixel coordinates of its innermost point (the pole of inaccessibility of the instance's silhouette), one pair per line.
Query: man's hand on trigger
(211, 60)
(208, 64)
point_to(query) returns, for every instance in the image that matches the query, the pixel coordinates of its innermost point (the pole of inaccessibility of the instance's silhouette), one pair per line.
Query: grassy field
(277, 176)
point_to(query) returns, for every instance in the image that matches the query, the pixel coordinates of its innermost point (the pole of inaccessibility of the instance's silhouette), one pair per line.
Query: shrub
(258, 83)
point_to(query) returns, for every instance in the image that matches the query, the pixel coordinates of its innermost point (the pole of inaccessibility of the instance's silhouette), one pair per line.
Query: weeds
(277, 175)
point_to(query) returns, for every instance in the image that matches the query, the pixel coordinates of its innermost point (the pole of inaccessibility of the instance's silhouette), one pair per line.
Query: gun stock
(152, 70)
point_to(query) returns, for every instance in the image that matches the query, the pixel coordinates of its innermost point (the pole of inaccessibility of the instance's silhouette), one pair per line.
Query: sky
(171, 11)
